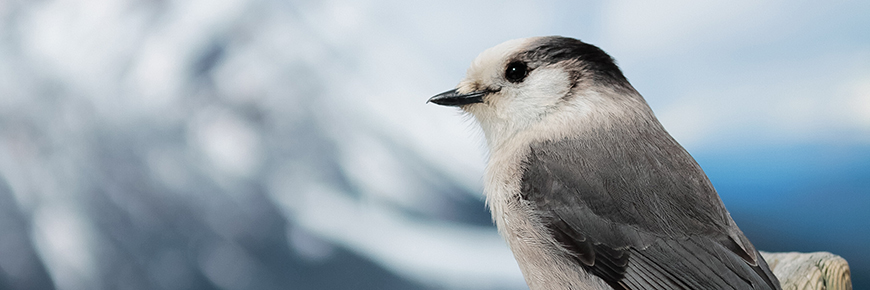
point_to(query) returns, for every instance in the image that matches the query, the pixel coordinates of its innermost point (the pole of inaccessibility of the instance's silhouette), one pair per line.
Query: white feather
(512, 118)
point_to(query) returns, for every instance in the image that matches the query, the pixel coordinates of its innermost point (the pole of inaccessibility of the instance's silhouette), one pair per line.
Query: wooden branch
(810, 271)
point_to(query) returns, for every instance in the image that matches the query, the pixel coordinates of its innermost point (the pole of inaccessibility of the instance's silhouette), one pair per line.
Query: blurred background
(269, 144)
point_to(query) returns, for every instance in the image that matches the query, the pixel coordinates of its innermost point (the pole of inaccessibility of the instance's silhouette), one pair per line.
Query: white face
(513, 106)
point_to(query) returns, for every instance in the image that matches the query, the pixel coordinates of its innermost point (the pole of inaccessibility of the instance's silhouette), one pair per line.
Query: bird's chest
(510, 212)
(543, 263)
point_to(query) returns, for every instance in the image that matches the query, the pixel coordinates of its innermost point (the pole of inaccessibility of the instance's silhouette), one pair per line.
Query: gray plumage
(585, 184)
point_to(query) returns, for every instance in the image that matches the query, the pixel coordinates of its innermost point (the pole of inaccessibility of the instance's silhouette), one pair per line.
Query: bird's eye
(516, 71)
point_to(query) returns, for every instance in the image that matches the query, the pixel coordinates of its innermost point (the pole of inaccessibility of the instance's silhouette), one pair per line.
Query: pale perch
(810, 271)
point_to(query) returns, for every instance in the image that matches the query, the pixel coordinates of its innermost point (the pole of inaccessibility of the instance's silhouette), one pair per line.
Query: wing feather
(653, 222)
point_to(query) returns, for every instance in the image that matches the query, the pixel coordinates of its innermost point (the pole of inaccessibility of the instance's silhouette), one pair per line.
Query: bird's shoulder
(633, 212)
(653, 186)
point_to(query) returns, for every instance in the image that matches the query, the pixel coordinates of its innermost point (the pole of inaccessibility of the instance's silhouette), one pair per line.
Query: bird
(585, 184)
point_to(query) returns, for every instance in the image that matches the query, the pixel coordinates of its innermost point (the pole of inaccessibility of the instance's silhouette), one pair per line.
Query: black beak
(452, 98)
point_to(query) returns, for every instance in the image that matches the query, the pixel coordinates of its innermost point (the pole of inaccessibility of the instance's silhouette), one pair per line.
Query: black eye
(516, 71)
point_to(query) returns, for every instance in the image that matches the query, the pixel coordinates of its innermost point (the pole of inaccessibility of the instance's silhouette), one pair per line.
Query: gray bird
(585, 184)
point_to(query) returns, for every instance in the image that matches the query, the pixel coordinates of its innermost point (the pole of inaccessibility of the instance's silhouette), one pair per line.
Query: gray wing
(639, 214)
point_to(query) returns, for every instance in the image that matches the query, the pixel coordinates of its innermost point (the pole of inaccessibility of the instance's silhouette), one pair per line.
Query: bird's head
(521, 83)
